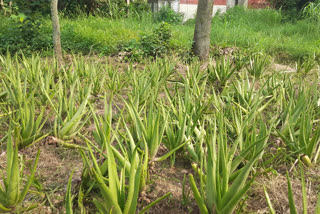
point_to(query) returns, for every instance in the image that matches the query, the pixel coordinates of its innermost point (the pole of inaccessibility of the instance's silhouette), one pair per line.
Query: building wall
(189, 7)
(190, 10)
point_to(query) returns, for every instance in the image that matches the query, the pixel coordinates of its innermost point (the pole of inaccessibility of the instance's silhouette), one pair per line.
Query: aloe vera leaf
(76, 118)
(13, 185)
(211, 185)
(138, 122)
(38, 125)
(10, 154)
(31, 140)
(27, 120)
(304, 190)
(240, 180)
(292, 206)
(134, 188)
(197, 196)
(3, 196)
(122, 189)
(76, 129)
(318, 205)
(68, 199)
(122, 161)
(30, 178)
(80, 200)
(232, 203)
(114, 182)
(109, 200)
(4, 209)
(313, 143)
(153, 134)
(272, 211)
(238, 159)
(144, 173)
(94, 161)
(102, 208)
(154, 203)
(170, 152)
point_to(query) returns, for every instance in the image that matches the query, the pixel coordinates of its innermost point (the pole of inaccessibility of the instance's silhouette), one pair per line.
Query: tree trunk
(1, 4)
(56, 31)
(202, 29)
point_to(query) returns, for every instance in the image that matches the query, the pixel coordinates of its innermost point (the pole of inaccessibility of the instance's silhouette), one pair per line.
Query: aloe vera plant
(15, 90)
(11, 197)
(149, 129)
(119, 191)
(30, 129)
(103, 125)
(305, 66)
(257, 64)
(222, 71)
(298, 129)
(67, 128)
(247, 97)
(186, 111)
(292, 110)
(115, 82)
(222, 183)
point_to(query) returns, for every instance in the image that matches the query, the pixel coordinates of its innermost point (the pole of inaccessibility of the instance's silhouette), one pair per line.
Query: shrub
(150, 45)
(167, 14)
(24, 34)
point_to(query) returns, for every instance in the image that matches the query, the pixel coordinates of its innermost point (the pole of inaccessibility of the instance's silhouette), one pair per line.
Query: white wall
(190, 10)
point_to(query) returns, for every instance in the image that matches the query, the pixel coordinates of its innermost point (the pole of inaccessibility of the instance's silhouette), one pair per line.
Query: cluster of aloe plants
(220, 117)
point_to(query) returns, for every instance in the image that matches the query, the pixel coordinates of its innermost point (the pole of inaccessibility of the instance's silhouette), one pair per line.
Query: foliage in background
(254, 30)
(312, 11)
(167, 14)
(290, 7)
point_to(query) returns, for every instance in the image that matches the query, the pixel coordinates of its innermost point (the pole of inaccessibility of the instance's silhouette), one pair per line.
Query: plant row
(224, 118)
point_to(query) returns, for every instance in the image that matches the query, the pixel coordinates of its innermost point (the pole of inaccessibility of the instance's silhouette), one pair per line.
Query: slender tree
(56, 31)
(201, 38)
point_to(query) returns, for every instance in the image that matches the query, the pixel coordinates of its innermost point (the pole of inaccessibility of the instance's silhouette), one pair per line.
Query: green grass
(266, 30)
(263, 29)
